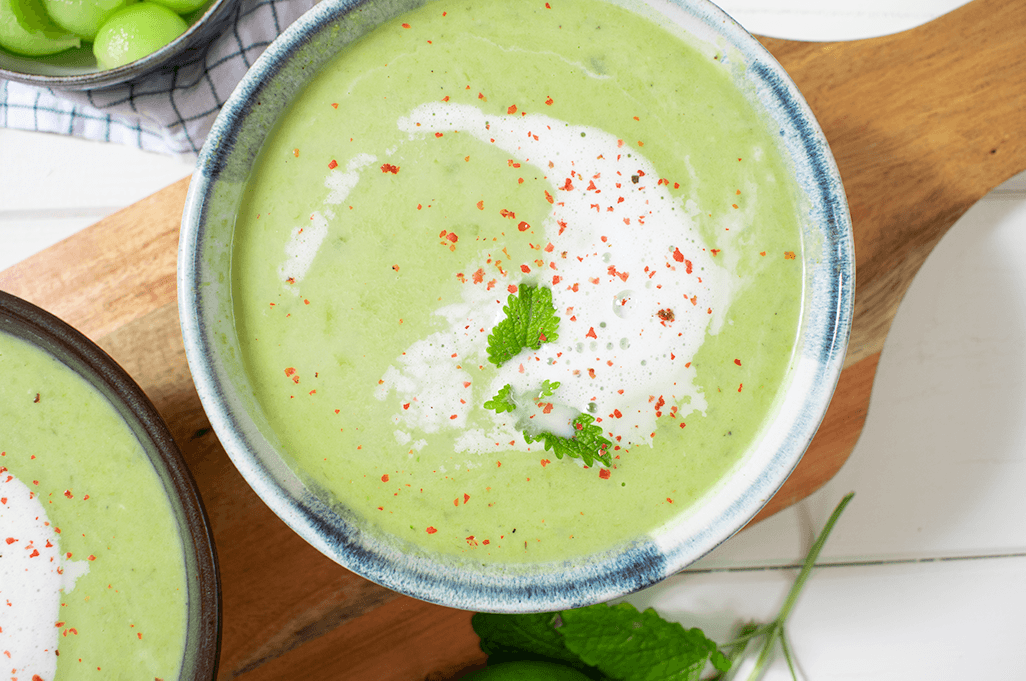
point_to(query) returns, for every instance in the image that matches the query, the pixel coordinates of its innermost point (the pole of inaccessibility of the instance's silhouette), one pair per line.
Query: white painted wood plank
(55, 175)
(934, 620)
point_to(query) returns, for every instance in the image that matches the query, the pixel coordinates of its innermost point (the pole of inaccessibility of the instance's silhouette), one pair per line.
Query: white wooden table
(925, 575)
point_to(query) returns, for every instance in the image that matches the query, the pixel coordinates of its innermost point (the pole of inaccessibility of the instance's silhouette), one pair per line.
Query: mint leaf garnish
(522, 637)
(503, 400)
(586, 443)
(637, 646)
(530, 321)
(548, 389)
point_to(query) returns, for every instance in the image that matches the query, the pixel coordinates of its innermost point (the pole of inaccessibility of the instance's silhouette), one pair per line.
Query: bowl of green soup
(516, 306)
(107, 564)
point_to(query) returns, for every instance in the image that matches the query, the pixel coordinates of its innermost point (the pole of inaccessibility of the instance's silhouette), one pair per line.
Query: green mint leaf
(503, 400)
(548, 389)
(533, 636)
(586, 443)
(530, 321)
(637, 646)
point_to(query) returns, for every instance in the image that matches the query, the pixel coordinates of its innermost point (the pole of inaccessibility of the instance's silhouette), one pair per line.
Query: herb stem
(777, 626)
(810, 560)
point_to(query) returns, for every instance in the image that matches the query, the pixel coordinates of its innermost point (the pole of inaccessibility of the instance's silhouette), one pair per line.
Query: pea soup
(519, 280)
(91, 561)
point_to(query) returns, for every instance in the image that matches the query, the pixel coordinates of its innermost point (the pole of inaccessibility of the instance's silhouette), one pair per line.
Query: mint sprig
(503, 400)
(605, 642)
(586, 443)
(530, 321)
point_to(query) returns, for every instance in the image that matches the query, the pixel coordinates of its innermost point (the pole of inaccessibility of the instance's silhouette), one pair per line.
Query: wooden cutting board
(922, 124)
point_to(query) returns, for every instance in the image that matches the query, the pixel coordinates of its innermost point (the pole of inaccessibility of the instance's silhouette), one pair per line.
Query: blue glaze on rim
(207, 326)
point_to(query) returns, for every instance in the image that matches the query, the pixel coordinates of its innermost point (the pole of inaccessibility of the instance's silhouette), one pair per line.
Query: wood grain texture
(922, 125)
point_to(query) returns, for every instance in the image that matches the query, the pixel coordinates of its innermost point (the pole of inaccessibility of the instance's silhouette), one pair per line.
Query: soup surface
(492, 233)
(91, 562)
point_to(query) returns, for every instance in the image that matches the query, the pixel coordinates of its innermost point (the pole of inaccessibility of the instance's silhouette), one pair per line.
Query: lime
(26, 29)
(527, 670)
(134, 32)
(82, 17)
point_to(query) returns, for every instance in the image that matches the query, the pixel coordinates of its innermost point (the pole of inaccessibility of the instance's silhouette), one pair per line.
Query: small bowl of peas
(92, 44)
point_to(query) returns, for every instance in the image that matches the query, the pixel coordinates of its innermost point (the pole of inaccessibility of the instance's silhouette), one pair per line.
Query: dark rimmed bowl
(76, 69)
(43, 330)
(211, 340)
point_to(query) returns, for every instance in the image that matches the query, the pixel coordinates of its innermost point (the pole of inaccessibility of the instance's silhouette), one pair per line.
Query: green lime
(82, 17)
(26, 29)
(134, 32)
(527, 670)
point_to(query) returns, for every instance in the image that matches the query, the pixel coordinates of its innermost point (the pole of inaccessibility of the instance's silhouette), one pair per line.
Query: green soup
(122, 611)
(444, 163)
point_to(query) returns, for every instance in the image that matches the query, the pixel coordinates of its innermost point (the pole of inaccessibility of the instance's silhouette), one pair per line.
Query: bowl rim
(632, 568)
(216, 13)
(66, 344)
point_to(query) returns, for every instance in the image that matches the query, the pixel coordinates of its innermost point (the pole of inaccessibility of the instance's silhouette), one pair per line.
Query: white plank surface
(930, 557)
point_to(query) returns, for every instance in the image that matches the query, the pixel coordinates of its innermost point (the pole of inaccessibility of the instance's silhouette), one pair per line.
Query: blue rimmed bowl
(212, 346)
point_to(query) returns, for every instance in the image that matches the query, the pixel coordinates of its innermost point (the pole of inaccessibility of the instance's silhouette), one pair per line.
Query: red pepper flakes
(666, 315)
(591, 333)
(788, 255)
(548, 100)
(715, 252)
(480, 205)
(333, 164)
(678, 256)
(295, 152)
(523, 226)
(334, 105)
(389, 168)
(512, 109)
(482, 97)
(512, 288)
(737, 362)
(384, 478)
(452, 237)
(604, 473)
(739, 386)
(669, 500)
(525, 269)
(406, 25)
(68, 494)
(11, 540)
(431, 530)
(466, 498)
(471, 541)
(92, 557)
(439, 134)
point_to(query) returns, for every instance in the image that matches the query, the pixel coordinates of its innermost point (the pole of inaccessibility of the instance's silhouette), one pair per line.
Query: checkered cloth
(169, 111)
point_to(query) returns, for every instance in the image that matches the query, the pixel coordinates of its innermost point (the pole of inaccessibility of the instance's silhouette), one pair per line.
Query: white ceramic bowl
(212, 346)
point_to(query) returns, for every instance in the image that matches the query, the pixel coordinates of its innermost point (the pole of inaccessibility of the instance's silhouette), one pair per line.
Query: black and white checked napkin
(169, 111)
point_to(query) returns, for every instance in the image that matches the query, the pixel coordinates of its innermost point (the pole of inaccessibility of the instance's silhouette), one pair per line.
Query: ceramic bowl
(48, 333)
(76, 69)
(212, 346)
